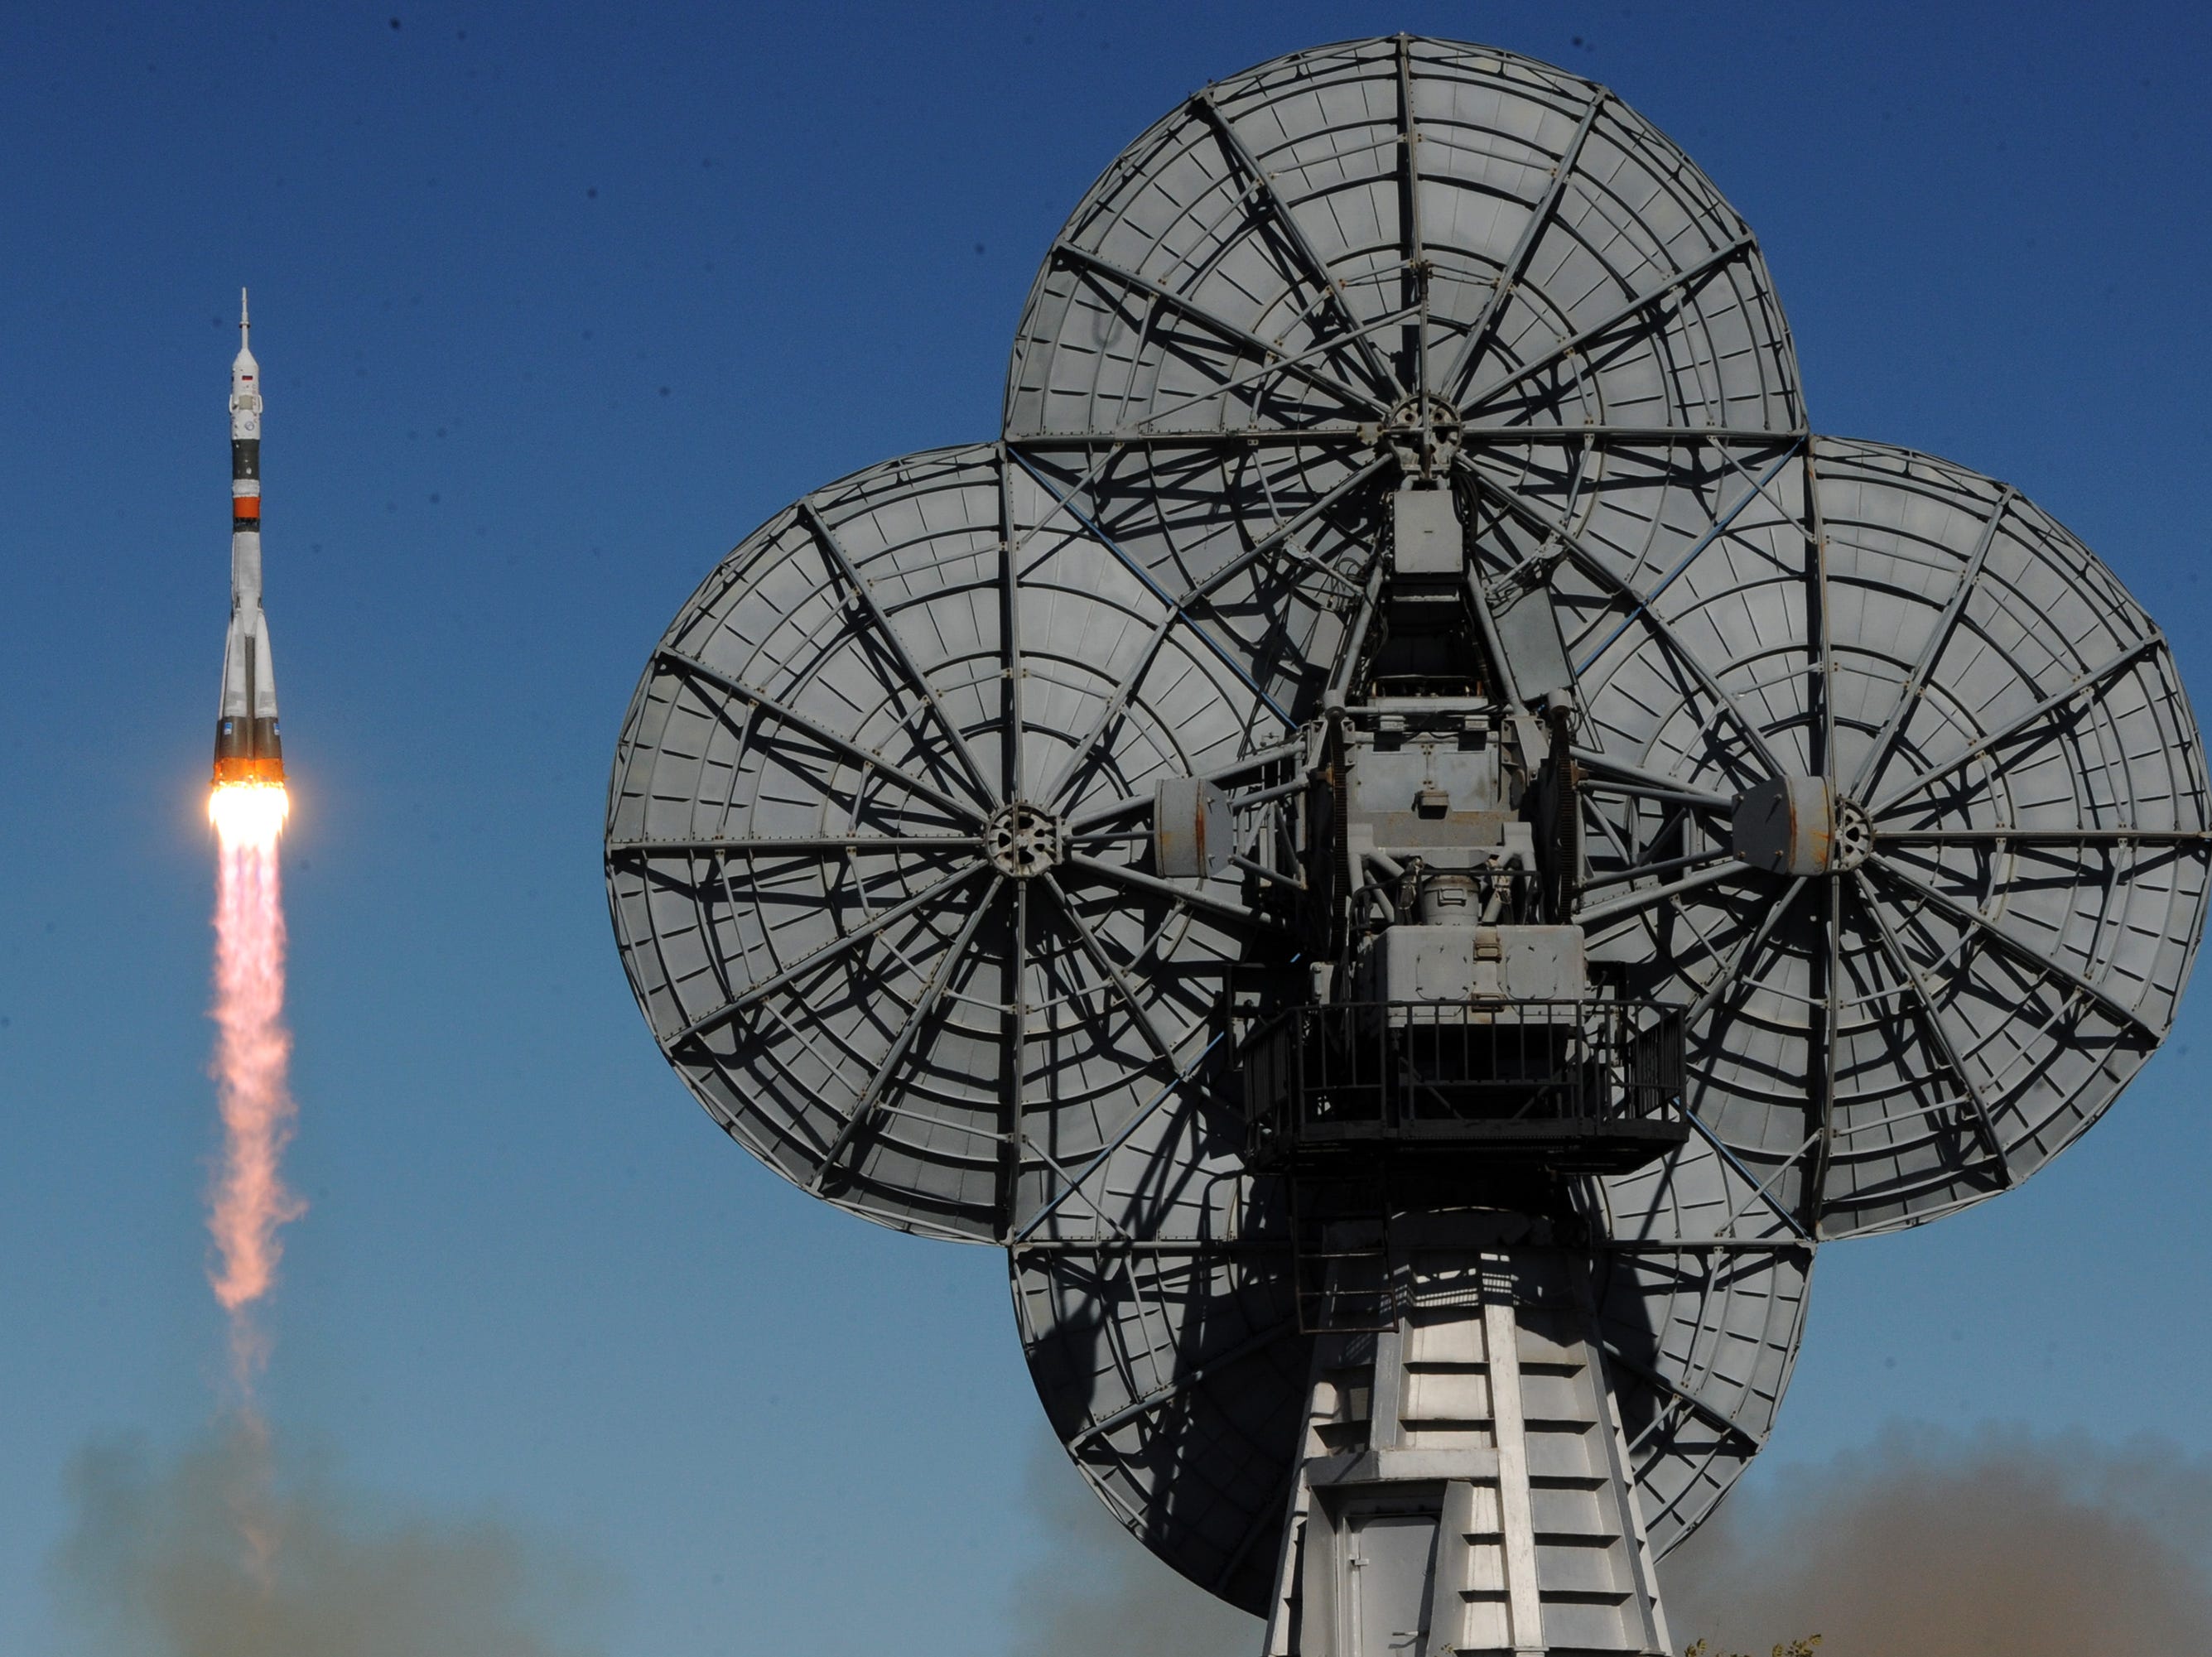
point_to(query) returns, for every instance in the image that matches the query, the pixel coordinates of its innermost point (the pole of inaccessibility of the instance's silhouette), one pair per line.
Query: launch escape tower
(1408, 841)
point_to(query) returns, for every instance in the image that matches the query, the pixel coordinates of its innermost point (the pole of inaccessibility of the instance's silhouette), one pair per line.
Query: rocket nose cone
(243, 363)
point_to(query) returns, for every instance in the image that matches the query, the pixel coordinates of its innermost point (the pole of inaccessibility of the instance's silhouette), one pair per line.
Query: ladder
(1462, 1485)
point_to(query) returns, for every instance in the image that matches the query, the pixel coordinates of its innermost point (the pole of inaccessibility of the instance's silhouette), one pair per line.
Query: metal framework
(2006, 940)
(1553, 291)
(881, 846)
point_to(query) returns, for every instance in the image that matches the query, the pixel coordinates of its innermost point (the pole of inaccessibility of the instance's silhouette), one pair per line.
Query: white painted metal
(904, 834)
(1316, 282)
(791, 828)
(1484, 1414)
(249, 666)
(1250, 308)
(1401, 233)
(1923, 1012)
(883, 941)
(1173, 1370)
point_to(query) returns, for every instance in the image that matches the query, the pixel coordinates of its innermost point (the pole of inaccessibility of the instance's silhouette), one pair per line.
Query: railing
(1581, 1084)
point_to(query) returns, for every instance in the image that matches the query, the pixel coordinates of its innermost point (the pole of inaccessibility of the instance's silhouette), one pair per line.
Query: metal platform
(1581, 1087)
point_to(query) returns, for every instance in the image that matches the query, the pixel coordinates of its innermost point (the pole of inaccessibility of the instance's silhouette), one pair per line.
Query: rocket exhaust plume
(252, 1054)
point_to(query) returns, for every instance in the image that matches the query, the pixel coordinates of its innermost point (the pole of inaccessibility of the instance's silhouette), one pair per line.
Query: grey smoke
(154, 1566)
(1928, 1543)
(2001, 1542)
(1097, 1593)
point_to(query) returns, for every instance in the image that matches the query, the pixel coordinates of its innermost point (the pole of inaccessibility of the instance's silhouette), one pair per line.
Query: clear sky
(554, 305)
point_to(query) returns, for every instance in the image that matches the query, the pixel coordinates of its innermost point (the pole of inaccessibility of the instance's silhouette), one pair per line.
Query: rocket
(246, 745)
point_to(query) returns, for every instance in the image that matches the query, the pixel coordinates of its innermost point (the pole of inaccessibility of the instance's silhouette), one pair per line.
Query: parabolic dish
(2005, 916)
(1371, 261)
(1313, 278)
(1343, 236)
(879, 831)
(1402, 255)
(822, 928)
(898, 955)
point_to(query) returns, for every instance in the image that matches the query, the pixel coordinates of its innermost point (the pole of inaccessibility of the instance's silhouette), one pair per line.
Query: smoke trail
(1943, 1544)
(149, 1569)
(252, 1052)
(228, 1553)
(1097, 1591)
(2001, 1542)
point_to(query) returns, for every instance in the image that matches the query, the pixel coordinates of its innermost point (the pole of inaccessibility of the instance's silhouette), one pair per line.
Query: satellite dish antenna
(1408, 841)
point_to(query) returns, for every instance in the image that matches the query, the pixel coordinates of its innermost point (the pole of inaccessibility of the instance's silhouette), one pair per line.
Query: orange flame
(253, 1052)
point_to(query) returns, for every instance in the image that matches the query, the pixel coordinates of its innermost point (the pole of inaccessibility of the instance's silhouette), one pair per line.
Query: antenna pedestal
(1463, 1483)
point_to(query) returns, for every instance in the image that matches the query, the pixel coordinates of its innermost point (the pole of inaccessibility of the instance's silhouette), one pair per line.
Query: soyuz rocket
(247, 746)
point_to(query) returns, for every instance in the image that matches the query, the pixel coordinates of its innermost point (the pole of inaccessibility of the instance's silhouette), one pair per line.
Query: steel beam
(1908, 694)
(2020, 949)
(2092, 682)
(1679, 282)
(827, 539)
(1219, 325)
(1516, 263)
(828, 952)
(1262, 190)
(783, 714)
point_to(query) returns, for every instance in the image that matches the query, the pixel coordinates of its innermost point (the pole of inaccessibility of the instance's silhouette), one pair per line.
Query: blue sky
(553, 307)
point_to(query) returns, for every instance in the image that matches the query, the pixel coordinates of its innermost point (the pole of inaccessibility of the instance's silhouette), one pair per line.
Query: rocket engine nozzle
(262, 769)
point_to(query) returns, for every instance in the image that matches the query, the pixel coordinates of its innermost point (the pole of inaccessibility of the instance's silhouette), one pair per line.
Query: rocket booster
(246, 745)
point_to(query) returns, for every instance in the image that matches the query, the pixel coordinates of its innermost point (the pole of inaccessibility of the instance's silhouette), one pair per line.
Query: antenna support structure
(1408, 841)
